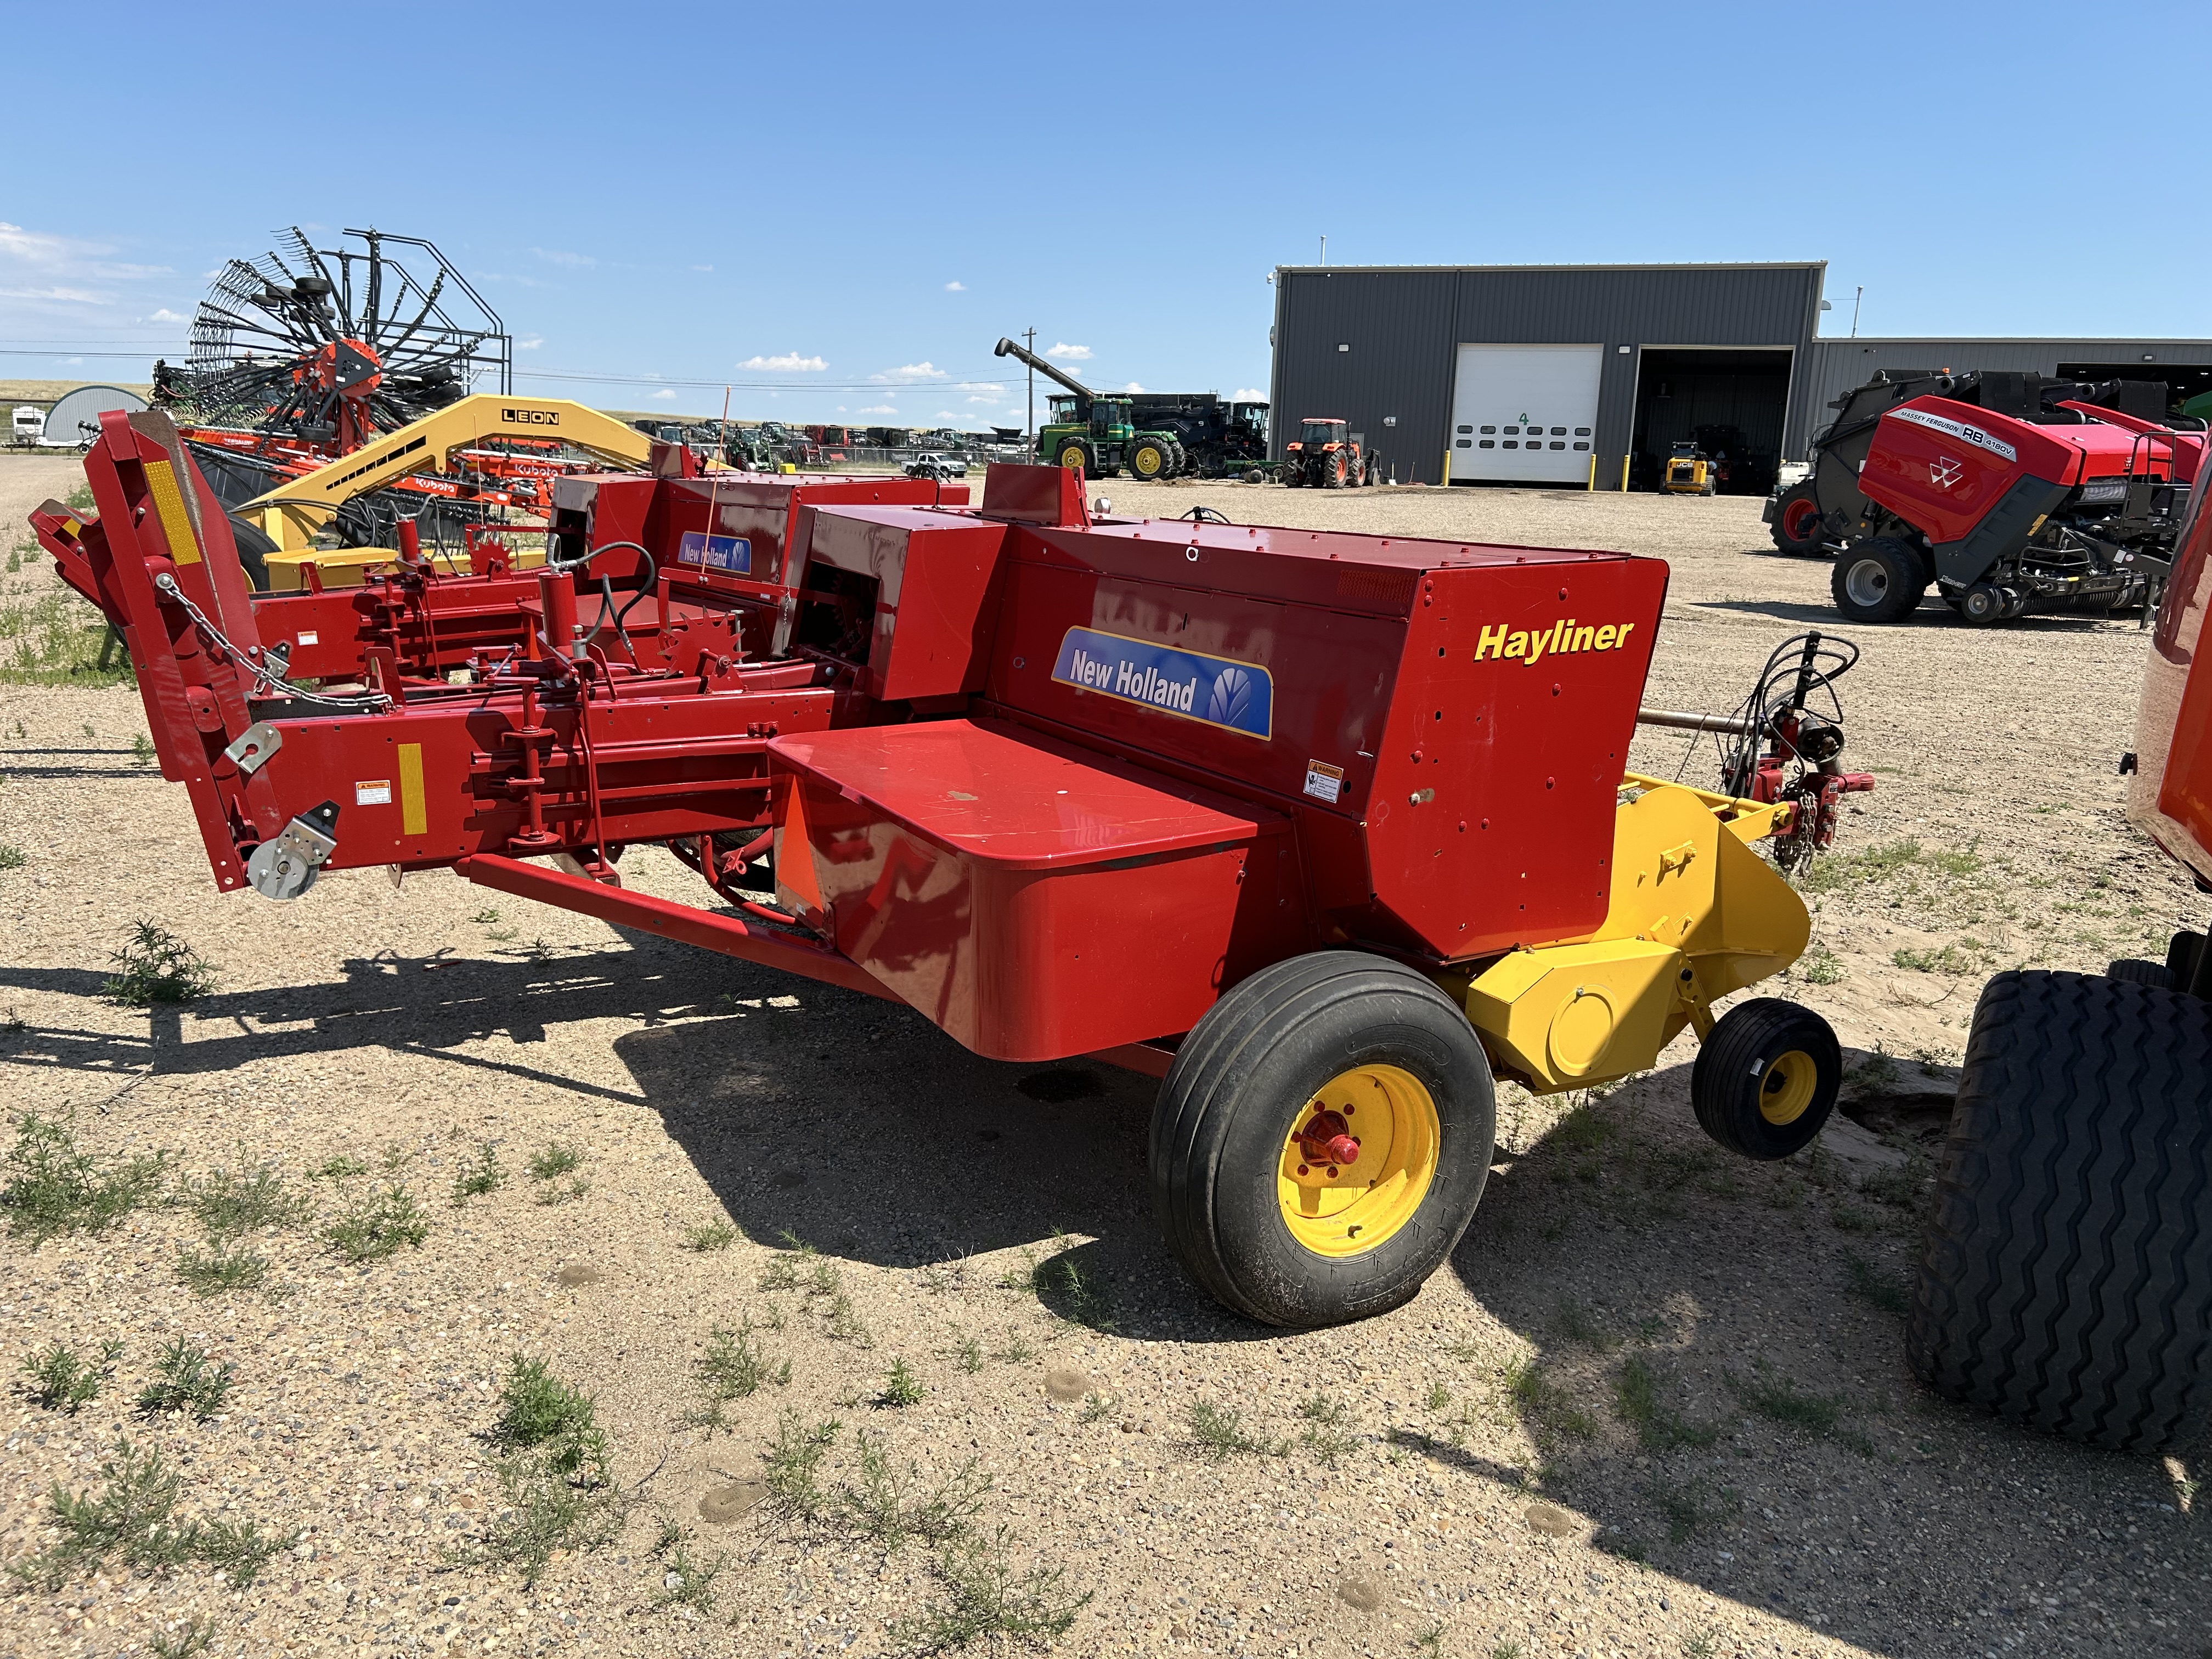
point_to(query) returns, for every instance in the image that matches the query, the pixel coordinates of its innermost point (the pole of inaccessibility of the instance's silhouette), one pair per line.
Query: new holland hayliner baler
(1325, 831)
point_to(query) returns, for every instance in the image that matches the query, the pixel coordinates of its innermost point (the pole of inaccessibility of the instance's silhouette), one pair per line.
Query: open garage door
(1727, 401)
(1524, 414)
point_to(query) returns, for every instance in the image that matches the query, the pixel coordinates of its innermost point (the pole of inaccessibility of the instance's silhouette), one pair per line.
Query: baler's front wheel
(1766, 1078)
(1322, 1140)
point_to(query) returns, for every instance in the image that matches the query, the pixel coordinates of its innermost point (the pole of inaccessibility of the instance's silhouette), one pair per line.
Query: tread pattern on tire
(2136, 971)
(2065, 1279)
(1207, 1066)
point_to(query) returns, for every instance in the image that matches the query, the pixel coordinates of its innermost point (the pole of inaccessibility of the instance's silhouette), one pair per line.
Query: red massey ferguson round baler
(2004, 508)
(2066, 1280)
(1326, 831)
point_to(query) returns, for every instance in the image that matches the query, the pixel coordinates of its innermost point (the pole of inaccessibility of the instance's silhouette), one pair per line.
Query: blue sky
(840, 209)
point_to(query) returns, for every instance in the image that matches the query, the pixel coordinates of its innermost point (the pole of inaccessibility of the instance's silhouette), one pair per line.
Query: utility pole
(1856, 297)
(1324, 250)
(1032, 335)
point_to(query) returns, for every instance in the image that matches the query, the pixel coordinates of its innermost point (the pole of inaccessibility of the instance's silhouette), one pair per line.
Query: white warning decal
(376, 791)
(1324, 781)
(1958, 430)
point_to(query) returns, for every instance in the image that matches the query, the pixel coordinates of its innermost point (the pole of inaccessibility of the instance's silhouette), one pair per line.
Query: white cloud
(164, 315)
(1248, 394)
(922, 371)
(529, 343)
(946, 414)
(878, 408)
(561, 257)
(666, 391)
(34, 247)
(955, 288)
(702, 268)
(1132, 386)
(789, 360)
(989, 388)
(79, 296)
(1073, 353)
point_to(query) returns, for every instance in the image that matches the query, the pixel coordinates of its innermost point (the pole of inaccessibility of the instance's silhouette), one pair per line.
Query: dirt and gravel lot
(1656, 1406)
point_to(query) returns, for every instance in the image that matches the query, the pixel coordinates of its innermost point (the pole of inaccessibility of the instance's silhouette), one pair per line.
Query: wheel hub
(1358, 1160)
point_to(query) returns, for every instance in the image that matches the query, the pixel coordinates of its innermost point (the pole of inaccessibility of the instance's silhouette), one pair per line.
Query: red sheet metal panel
(1033, 900)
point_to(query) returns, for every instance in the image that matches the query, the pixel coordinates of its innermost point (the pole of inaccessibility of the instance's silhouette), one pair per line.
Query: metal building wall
(1403, 325)
(1828, 368)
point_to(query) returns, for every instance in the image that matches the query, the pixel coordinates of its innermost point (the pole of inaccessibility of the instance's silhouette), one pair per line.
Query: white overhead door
(1527, 413)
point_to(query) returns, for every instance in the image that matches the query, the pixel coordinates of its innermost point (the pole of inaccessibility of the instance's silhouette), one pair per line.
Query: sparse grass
(555, 1159)
(968, 1355)
(709, 1237)
(1637, 1396)
(563, 1192)
(901, 1388)
(889, 1508)
(1850, 1219)
(58, 1379)
(1775, 1396)
(1544, 1402)
(485, 918)
(985, 1598)
(1873, 1074)
(134, 1517)
(155, 966)
(1328, 1433)
(1870, 1284)
(1219, 1434)
(222, 1270)
(340, 1167)
(1898, 862)
(1948, 960)
(230, 1202)
(1097, 1408)
(1702, 1645)
(190, 1642)
(395, 1157)
(1507, 1648)
(480, 1176)
(1437, 1397)
(546, 1513)
(1579, 1326)
(1431, 1642)
(685, 1581)
(539, 1413)
(55, 638)
(55, 1187)
(185, 1381)
(142, 749)
(1818, 966)
(1018, 1349)
(378, 1225)
(733, 1368)
(793, 1466)
(12, 858)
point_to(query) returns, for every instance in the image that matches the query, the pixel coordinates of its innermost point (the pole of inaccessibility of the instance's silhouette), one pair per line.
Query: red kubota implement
(1325, 831)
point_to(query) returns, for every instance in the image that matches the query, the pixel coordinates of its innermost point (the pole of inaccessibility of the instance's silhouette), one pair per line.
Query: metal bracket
(286, 868)
(255, 745)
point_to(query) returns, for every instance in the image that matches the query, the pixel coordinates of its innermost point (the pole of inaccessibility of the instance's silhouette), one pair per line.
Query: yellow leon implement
(294, 513)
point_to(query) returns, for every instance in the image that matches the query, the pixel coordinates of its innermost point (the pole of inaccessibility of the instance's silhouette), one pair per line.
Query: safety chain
(167, 585)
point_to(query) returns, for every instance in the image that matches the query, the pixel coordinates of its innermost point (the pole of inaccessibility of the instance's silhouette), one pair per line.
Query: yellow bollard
(1623, 475)
(1447, 466)
(1590, 484)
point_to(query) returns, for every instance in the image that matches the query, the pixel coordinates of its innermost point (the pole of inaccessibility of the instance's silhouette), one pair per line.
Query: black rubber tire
(1897, 578)
(1332, 472)
(1234, 1092)
(1151, 458)
(1734, 1067)
(2182, 951)
(1294, 476)
(2065, 1277)
(1785, 507)
(254, 546)
(2136, 971)
(1982, 605)
(1089, 459)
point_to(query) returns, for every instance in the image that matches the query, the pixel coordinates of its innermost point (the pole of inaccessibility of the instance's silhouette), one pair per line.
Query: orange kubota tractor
(1325, 456)
(2066, 1277)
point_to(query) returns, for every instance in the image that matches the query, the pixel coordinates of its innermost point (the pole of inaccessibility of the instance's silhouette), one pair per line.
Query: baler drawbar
(1325, 831)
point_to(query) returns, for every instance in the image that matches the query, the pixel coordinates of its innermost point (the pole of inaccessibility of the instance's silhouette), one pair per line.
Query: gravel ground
(1656, 1406)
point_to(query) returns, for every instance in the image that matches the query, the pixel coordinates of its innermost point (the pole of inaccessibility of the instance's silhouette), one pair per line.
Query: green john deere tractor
(1095, 432)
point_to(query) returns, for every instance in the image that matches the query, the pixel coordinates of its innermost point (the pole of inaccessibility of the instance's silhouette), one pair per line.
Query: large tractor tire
(1880, 580)
(254, 546)
(1322, 1140)
(1073, 454)
(1294, 475)
(1150, 459)
(1332, 472)
(1798, 527)
(2066, 1275)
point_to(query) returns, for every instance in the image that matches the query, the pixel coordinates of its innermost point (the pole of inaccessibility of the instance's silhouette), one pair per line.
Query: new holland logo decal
(1236, 696)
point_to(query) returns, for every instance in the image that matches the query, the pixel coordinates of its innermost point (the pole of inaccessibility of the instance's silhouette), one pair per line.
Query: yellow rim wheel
(1072, 457)
(1787, 1088)
(1148, 460)
(1338, 1208)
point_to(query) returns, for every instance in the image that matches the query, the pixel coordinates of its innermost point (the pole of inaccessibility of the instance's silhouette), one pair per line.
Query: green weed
(1544, 1403)
(1895, 861)
(546, 1512)
(378, 1225)
(1328, 1434)
(480, 1176)
(685, 1581)
(554, 1159)
(969, 1356)
(901, 1386)
(222, 1270)
(793, 1466)
(890, 1508)
(12, 858)
(340, 1167)
(1870, 1284)
(1948, 960)
(710, 1237)
(733, 1368)
(541, 1414)
(985, 1598)
(1097, 1408)
(55, 1187)
(1575, 1323)
(142, 749)
(58, 639)
(1658, 1427)
(1219, 1434)
(190, 1642)
(230, 1202)
(1775, 1396)
(134, 1517)
(155, 966)
(1818, 966)
(185, 1381)
(57, 1379)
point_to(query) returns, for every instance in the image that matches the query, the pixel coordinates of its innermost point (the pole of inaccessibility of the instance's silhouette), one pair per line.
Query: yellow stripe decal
(411, 819)
(184, 546)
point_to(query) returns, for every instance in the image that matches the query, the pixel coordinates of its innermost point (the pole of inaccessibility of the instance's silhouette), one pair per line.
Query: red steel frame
(1413, 747)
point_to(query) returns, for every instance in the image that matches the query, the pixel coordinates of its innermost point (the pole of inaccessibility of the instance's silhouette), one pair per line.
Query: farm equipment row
(1325, 831)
